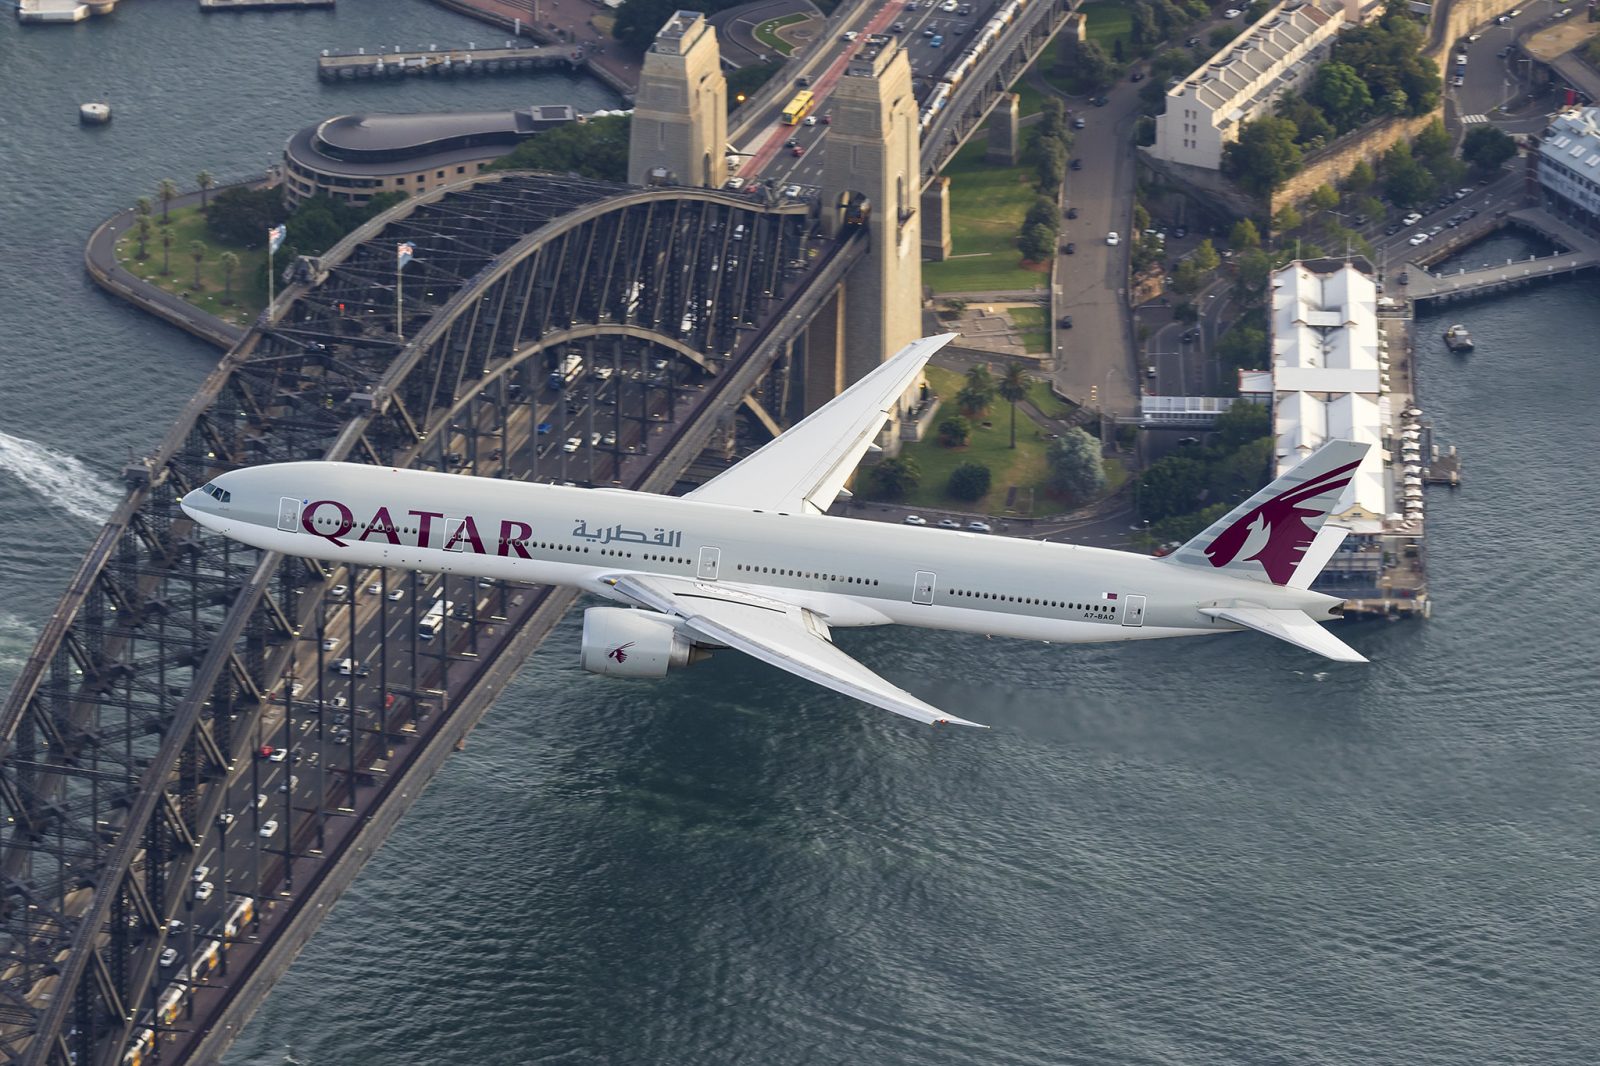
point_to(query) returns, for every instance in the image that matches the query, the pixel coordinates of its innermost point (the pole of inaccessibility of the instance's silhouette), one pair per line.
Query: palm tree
(166, 251)
(197, 251)
(1013, 387)
(230, 263)
(141, 230)
(167, 191)
(142, 207)
(205, 181)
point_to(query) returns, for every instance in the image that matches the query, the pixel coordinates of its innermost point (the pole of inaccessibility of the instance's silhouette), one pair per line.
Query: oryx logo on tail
(620, 652)
(1276, 533)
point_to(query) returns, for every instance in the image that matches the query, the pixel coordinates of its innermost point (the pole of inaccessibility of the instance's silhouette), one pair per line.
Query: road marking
(1467, 120)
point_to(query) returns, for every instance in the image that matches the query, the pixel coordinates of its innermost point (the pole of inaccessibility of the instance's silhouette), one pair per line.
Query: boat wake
(62, 480)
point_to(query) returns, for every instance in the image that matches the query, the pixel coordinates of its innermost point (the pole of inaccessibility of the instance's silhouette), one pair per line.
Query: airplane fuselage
(848, 572)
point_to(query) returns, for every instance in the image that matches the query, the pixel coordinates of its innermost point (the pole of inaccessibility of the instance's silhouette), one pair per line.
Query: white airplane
(750, 560)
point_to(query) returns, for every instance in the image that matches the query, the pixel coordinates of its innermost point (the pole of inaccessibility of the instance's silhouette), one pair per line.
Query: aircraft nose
(194, 502)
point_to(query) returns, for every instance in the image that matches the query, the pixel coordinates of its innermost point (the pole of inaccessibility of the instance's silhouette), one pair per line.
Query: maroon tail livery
(1267, 536)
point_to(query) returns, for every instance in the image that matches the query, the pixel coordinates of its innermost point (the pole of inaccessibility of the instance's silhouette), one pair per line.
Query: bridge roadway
(133, 758)
(763, 143)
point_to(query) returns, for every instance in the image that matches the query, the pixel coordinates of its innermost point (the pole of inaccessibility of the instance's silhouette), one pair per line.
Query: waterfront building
(1279, 53)
(1568, 165)
(1331, 378)
(355, 157)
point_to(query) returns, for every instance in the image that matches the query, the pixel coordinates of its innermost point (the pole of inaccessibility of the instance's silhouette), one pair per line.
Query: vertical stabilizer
(1266, 537)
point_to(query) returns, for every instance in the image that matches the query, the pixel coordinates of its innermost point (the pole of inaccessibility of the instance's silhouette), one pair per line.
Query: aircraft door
(1133, 611)
(288, 514)
(453, 540)
(922, 587)
(710, 561)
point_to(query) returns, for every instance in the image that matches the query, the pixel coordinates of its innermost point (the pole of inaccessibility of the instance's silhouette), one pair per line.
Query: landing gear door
(288, 514)
(710, 563)
(1133, 611)
(922, 588)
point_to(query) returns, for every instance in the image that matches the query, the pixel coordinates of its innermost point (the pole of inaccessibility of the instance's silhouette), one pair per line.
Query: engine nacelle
(622, 642)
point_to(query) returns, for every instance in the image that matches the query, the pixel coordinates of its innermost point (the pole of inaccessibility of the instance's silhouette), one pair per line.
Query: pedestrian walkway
(1468, 120)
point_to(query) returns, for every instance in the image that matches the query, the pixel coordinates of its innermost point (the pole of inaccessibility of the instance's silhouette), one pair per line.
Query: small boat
(1457, 339)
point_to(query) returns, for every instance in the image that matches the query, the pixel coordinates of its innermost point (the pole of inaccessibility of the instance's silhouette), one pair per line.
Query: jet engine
(622, 642)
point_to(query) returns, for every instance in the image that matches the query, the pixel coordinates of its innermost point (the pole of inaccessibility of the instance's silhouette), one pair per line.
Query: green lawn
(187, 225)
(1108, 22)
(1048, 402)
(1024, 467)
(987, 204)
(767, 32)
(1029, 100)
(1033, 327)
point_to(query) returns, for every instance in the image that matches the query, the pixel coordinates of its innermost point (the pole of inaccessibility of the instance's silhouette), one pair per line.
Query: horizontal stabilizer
(1296, 627)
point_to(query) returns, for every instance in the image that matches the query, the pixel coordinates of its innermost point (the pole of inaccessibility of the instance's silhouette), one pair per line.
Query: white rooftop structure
(1569, 159)
(1330, 377)
(1243, 81)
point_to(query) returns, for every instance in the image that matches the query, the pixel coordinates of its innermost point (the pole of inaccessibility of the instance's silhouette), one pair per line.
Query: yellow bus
(798, 108)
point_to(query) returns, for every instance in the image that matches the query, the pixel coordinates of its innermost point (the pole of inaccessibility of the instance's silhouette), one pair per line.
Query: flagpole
(270, 296)
(399, 329)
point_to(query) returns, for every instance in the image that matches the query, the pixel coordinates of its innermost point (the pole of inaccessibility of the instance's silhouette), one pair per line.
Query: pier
(263, 5)
(445, 62)
(1582, 253)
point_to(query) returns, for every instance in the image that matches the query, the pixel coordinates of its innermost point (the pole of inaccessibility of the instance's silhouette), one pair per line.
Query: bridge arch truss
(149, 686)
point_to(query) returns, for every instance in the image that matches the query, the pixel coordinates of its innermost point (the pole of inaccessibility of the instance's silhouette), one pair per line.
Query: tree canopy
(1487, 148)
(1075, 468)
(969, 481)
(241, 216)
(1264, 155)
(594, 149)
(893, 479)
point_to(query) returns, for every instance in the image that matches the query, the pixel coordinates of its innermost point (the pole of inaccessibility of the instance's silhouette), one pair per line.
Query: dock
(263, 5)
(1581, 252)
(445, 62)
(1444, 468)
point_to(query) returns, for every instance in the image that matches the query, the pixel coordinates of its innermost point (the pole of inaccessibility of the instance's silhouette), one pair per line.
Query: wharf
(446, 62)
(1581, 252)
(1444, 469)
(262, 5)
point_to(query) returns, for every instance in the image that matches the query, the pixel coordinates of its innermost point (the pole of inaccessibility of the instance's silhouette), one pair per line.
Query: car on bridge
(1418, 238)
(1112, 239)
(914, 520)
(269, 827)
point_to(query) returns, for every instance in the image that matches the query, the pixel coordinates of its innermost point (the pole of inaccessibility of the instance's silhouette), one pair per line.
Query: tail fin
(1266, 537)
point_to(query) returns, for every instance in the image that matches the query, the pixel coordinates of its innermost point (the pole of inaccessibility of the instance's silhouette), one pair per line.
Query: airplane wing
(1295, 627)
(803, 470)
(775, 632)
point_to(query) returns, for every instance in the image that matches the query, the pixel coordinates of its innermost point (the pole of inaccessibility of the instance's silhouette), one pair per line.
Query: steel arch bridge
(134, 724)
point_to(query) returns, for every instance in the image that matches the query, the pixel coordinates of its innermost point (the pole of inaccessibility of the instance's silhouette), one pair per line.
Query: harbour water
(1213, 851)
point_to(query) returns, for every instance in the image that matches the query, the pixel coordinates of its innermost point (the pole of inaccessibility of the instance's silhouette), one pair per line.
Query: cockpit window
(220, 495)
